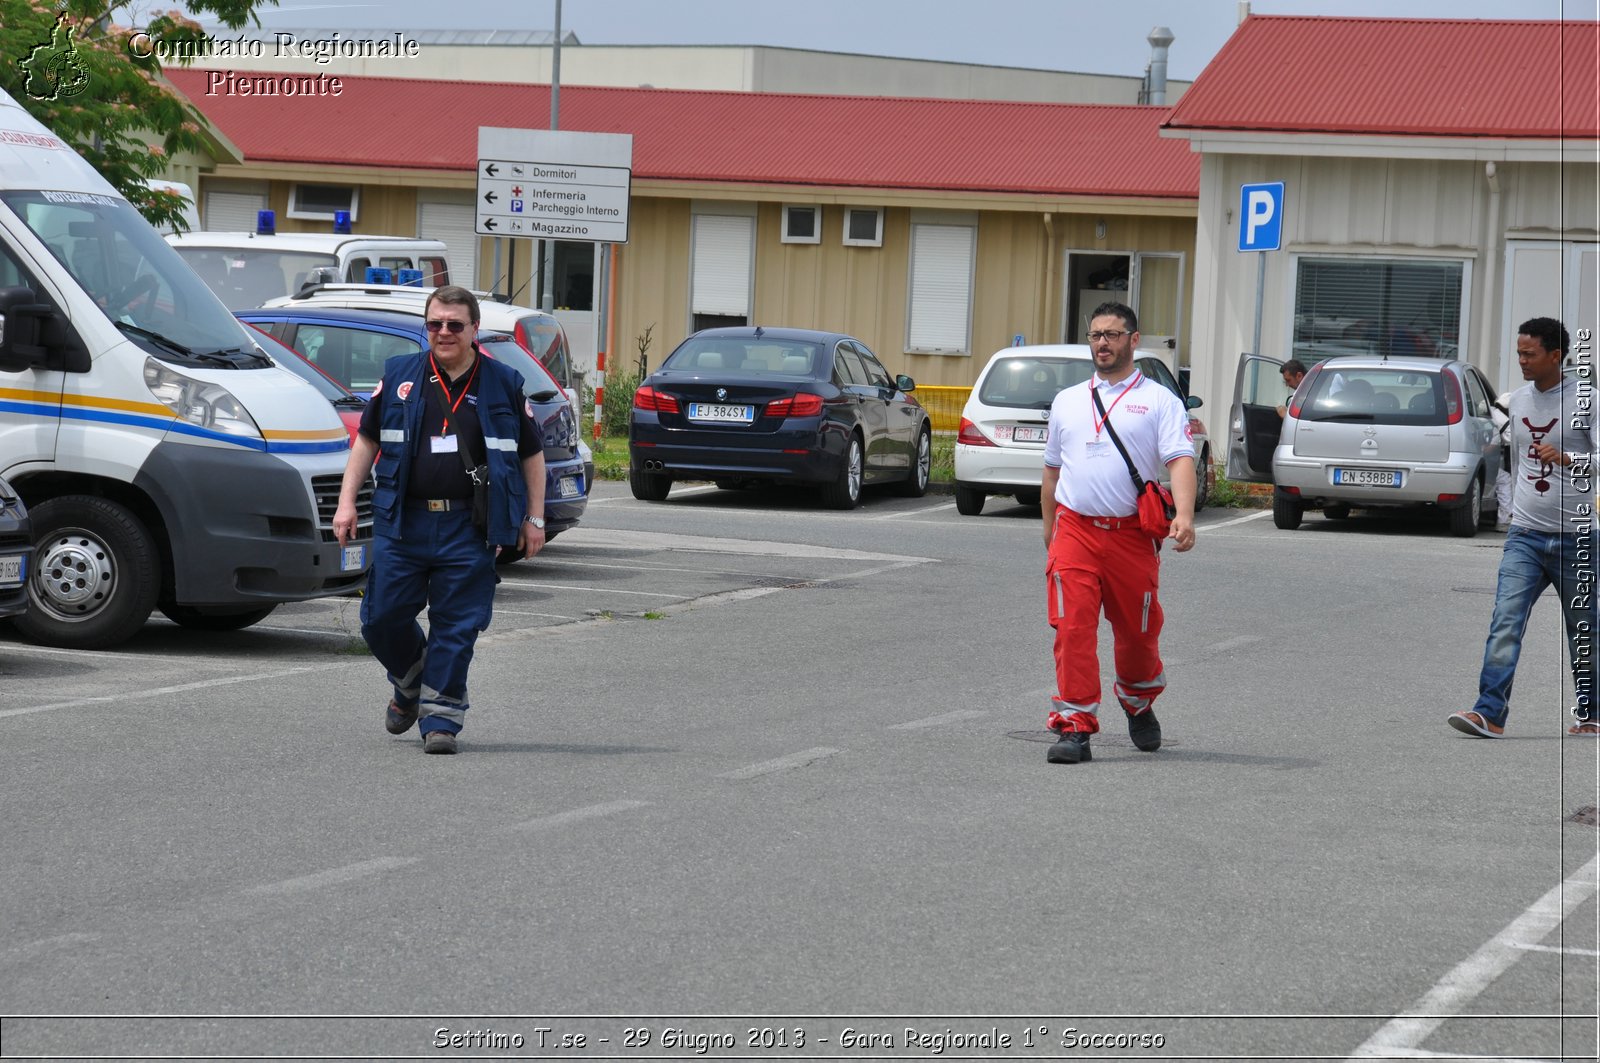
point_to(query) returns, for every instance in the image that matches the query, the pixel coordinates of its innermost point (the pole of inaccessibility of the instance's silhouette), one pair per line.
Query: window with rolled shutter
(724, 258)
(939, 318)
(233, 211)
(454, 224)
(1381, 306)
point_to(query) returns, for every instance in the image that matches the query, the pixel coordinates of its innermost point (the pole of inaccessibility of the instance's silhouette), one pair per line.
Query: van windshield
(133, 276)
(245, 278)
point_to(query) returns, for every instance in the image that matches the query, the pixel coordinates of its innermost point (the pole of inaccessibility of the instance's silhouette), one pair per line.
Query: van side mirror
(1194, 402)
(905, 383)
(22, 318)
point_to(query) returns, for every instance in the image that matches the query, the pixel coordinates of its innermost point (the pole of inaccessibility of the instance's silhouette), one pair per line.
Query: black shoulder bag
(1156, 507)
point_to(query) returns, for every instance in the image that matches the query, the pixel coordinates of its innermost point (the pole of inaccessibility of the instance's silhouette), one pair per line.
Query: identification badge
(442, 444)
(1096, 448)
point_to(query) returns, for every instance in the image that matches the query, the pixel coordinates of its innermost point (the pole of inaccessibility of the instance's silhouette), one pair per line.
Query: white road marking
(1474, 974)
(1565, 950)
(523, 612)
(45, 946)
(1237, 520)
(617, 539)
(575, 815)
(128, 695)
(1238, 642)
(793, 760)
(935, 721)
(677, 492)
(914, 512)
(334, 876)
(520, 584)
(649, 566)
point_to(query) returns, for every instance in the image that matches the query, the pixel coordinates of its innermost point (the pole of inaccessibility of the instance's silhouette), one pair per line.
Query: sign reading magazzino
(554, 185)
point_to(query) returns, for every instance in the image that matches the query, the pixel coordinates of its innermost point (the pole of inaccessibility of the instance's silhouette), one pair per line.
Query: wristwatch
(537, 522)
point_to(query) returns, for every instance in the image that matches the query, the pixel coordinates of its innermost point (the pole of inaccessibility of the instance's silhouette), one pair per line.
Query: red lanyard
(444, 429)
(1100, 422)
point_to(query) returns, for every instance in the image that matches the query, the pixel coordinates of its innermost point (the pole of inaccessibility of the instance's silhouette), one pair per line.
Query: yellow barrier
(944, 405)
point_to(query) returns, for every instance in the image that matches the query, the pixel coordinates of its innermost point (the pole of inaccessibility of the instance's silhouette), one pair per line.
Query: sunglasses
(457, 327)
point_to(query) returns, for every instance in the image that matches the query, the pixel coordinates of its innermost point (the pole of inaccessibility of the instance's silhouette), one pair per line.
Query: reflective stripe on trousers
(1116, 570)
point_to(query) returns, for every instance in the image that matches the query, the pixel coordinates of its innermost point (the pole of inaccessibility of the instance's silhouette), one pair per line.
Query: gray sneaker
(438, 742)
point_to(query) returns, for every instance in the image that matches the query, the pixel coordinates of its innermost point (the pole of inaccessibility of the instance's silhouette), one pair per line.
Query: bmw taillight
(648, 398)
(803, 404)
(970, 435)
(1452, 398)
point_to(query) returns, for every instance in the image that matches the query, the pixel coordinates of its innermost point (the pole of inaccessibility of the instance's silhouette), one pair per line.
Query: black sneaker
(1145, 730)
(438, 742)
(397, 719)
(1071, 748)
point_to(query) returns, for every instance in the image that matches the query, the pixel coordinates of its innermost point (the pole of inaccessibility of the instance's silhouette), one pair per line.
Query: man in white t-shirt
(1099, 557)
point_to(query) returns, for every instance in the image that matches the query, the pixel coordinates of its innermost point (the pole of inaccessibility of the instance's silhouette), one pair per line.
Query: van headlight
(198, 402)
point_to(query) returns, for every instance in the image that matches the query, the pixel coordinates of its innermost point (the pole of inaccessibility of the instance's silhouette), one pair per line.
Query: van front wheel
(95, 574)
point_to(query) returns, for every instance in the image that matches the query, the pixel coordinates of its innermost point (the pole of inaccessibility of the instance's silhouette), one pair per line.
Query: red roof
(1409, 77)
(766, 138)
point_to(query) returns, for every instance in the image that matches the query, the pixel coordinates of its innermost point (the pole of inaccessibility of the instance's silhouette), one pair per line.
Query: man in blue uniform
(432, 416)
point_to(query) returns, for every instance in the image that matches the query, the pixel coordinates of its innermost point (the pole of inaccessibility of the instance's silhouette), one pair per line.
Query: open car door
(1253, 422)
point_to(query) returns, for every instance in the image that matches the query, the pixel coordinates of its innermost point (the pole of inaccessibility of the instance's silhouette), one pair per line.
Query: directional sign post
(554, 185)
(1260, 229)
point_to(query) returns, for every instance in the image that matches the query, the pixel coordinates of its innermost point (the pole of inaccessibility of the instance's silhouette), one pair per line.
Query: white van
(165, 460)
(191, 216)
(247, 269)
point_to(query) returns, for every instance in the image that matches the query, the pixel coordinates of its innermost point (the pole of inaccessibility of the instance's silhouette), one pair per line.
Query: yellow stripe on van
(308, 433)
(55, 398)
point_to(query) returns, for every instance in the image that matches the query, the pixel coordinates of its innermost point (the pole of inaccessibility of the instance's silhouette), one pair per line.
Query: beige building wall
(1018, 282)
(1365, 204)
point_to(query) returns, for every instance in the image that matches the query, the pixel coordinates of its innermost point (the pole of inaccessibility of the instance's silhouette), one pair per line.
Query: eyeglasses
(454, 326)
(1109, 334)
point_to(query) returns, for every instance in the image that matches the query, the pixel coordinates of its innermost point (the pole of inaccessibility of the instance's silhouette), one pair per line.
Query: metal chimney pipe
(1160, 37)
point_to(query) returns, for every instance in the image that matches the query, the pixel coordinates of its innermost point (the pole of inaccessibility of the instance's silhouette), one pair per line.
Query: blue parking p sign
(1261, 216)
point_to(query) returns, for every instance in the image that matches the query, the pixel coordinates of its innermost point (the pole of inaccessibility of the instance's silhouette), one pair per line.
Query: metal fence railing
(944, 405)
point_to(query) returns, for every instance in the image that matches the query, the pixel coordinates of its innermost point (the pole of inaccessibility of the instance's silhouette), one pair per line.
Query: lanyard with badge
(444, 442)
(1097, 447)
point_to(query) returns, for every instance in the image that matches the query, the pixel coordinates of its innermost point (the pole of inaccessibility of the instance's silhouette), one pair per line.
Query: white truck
(165, 460)
(246, 269)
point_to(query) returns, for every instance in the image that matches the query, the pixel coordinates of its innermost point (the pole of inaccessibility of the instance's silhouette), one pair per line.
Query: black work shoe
(397, 719)
(1071, 748)
(1145, 730)
(439, 742)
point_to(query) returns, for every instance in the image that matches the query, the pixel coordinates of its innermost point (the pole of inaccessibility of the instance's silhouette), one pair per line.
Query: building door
(1536, 270)
(1149, 282)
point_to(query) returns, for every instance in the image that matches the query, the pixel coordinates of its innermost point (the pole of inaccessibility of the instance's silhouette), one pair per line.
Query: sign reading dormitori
(554, 184)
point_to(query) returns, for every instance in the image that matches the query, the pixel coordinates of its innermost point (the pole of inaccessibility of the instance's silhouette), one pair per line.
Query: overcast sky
(1096, 36)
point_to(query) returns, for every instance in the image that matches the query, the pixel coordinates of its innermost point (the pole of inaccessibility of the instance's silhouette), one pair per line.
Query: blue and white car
(352, 345)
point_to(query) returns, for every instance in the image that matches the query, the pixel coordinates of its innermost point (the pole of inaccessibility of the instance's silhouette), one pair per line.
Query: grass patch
(654, 615)
(1230, 494)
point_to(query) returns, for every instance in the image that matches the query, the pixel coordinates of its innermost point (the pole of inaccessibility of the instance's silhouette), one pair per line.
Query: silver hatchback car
(1367, 431)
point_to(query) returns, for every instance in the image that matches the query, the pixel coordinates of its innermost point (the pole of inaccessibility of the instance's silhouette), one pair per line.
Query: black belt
(439, 505)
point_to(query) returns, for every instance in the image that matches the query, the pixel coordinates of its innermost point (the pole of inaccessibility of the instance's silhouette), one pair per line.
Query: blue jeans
(443, 564)
(1532, 561)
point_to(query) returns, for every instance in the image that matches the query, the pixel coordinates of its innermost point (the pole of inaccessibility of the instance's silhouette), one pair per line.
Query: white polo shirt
(1151, 422)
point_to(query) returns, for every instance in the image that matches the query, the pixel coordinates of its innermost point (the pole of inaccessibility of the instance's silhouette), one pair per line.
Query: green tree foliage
(97, 85)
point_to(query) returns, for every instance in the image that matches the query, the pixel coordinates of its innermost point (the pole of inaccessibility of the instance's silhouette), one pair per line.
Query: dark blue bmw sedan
(752, 405)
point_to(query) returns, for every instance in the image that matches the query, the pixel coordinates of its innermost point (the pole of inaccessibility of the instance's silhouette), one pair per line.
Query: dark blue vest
(499, 401)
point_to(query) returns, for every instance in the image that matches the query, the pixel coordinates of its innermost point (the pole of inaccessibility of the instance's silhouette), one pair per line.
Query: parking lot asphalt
(738, 763)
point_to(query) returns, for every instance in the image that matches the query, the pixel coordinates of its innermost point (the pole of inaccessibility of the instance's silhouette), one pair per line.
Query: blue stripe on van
(164, 425)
